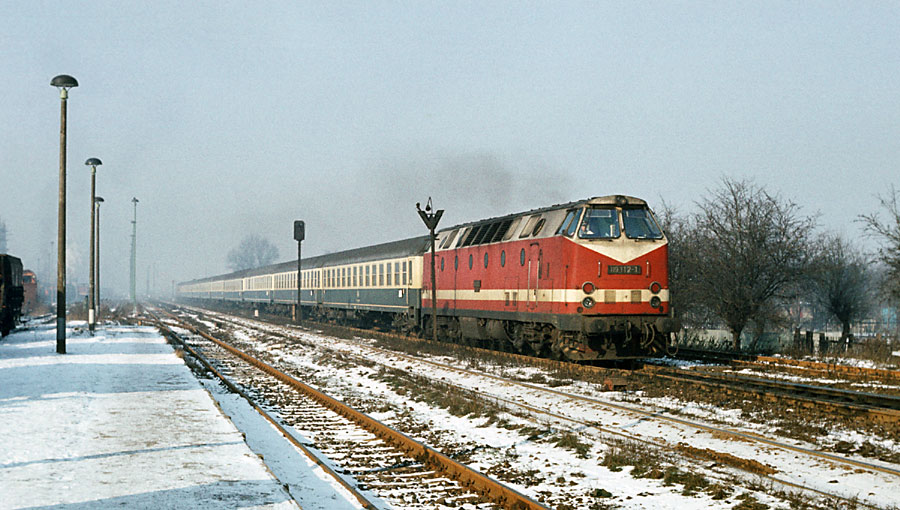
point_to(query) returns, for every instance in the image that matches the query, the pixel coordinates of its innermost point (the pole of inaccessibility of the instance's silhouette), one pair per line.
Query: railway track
(533, 405)
(370, 458)
(884, 409)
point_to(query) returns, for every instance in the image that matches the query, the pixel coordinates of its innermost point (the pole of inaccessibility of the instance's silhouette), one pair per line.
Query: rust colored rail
(831, 368)
(880, 408)
(487, 487)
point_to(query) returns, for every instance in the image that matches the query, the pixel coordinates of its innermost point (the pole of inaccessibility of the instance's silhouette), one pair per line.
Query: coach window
(380, 274)
(387, 276)
(470, 261)
(503, 258)
(367, 276)
(396, 273)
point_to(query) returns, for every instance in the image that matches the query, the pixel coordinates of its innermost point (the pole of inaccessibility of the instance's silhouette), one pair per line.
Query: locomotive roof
(604, 200)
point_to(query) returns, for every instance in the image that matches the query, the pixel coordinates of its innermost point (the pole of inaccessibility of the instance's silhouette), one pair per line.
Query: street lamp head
(64, 81)
(98, 200)
(93, 162)
(135, 200)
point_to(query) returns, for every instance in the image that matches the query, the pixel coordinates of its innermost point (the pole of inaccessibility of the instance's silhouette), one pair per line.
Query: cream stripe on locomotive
(550, 295)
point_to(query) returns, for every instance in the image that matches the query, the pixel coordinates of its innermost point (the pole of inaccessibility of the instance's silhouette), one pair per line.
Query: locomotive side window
(512, 229)
(567, 222)
(522, 257)
(503, 264)
(470, 261)
(448, 239)
(529, 226)
(640, 224)
(539, 226)
(485, 259)
(599, 224)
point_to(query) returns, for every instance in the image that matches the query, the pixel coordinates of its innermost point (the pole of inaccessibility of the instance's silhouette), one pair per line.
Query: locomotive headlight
(588, 288)
(655, 301)
(588, 302)
(655, 287)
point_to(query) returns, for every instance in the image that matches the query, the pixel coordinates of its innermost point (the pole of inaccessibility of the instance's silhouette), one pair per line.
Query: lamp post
(63, 82)
(97, 202)
(299, 234)
(431, 220)
(133, 253)
(93, 163)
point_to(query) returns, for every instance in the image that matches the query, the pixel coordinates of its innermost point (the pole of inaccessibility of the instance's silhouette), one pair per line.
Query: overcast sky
(228, 118)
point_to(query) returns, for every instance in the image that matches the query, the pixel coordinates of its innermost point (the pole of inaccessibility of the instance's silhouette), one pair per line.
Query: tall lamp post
(431, 220)
(93, 163)
(97, 202)
(299, 234)
(133, 252)
(63, 82)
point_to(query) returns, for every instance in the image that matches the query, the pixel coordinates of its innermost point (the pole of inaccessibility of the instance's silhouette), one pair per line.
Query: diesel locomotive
(585, 280)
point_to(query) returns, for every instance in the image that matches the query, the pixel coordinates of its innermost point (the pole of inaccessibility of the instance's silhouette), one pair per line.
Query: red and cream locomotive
(582, 281)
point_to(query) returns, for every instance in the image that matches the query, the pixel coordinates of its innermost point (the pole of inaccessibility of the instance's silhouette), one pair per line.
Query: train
(11, 292)
(581, 281)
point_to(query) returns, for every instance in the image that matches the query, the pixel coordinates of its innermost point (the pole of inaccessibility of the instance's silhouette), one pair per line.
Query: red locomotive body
(584, 280)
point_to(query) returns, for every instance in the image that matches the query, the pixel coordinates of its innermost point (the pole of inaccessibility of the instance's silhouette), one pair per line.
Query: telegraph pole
(431, 220)
(134, 253)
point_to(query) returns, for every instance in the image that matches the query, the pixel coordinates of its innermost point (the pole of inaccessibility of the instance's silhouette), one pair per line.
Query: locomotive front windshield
(640, 224)
(603, 223)
(599, 224)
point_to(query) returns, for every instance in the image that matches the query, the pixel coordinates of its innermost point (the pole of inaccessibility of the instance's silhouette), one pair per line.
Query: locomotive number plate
(623, 269)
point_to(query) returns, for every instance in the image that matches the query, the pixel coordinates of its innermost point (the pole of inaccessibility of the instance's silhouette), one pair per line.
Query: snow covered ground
(120, 422)
(496, 445)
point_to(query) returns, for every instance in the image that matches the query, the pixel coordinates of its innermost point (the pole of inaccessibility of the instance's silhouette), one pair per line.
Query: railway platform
(120, 421)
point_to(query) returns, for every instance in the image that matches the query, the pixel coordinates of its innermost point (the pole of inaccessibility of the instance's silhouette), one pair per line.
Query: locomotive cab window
(640, 224)
(599, 224)
(567, 227)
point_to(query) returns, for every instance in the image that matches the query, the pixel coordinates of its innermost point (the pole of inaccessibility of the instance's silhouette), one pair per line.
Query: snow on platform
(119, 421)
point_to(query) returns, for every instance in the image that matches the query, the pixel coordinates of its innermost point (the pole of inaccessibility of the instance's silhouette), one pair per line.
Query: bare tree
(683, 288)
(841, 282)
(753, 250)
(254, 251)
(889, 234)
